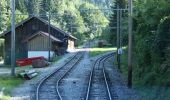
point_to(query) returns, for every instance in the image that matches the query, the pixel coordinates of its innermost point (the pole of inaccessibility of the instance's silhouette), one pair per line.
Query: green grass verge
(24, 68)
(98, 51)
(153, 92)
(57, 58)
(8, 83)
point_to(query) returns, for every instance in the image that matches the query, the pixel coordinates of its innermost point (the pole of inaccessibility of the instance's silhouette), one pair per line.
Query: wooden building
(32, 39)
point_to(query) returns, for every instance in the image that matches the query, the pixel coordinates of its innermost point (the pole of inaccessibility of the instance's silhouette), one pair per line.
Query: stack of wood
(39, 63)
(28, 74)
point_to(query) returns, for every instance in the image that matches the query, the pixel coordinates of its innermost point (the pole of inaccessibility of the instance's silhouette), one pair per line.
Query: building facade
(32, 36)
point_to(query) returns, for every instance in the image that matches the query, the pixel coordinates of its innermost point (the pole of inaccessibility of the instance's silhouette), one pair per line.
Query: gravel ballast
(23, 91)
(74, 85)
(117, 84)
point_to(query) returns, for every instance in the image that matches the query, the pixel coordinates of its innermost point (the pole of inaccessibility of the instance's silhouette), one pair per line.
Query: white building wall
(40, 53)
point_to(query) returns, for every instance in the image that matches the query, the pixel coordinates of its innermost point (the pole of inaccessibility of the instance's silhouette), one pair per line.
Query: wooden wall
(38, 43)
(25, 30)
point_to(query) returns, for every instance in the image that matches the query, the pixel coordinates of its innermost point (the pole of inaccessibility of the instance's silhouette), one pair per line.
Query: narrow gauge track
(98, 88)
(47, 88)
(62, 77)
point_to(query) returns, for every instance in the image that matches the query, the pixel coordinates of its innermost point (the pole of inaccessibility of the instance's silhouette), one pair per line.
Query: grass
(8, 83)
(57, 58)
(153, 92)
(98, 51)
(24, 68)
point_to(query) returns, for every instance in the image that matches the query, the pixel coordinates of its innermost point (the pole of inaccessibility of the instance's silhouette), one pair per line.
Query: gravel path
(23, 91)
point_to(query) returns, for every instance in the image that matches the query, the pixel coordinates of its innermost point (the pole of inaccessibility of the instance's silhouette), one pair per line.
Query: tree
(150, 32)
(113, 20)
(3, 15)
(92, 19)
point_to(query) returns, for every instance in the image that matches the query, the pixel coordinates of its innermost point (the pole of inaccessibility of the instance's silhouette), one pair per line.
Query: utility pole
(49, 39)
(118, 35)
(130, 44)
(121, 29)
(120, 40)
(71, 25)
(13, 39)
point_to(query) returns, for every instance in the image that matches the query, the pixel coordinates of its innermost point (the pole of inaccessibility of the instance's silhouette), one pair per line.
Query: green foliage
(151, 41)
(153, 92)
(3, 15)
(92, 19)
(55, 59)
(98, 51)
(163, 36)
(65, 14)
(8, 83)
(113, 23)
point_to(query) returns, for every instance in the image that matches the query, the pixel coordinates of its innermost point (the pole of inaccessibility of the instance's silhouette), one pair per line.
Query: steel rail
(104, 73)
(91, 75)
(90, 79)
(48, 76)
(57, 86)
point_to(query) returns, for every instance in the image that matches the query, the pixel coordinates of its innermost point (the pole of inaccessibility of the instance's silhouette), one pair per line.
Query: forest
(151, 43)
(151, 29)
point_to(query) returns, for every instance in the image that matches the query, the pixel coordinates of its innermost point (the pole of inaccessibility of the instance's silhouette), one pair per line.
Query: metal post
(49, 32)
(118, 35)
(13, 39)
(130, 44)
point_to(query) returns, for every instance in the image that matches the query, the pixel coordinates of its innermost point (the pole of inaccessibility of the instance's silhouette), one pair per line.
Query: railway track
(47, 88)
(98, 88)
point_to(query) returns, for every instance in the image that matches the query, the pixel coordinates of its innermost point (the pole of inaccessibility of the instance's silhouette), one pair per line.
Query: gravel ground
(23, 91)
(74, 85)
(117, 84)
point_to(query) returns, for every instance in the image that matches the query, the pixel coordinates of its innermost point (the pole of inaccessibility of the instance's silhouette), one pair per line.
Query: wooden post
(118, 34)
(130, 44)
(13, 39)
(49, 32)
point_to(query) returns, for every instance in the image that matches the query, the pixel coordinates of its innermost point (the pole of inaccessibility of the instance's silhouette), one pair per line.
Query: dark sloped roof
(44, 34)
(44, 21)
